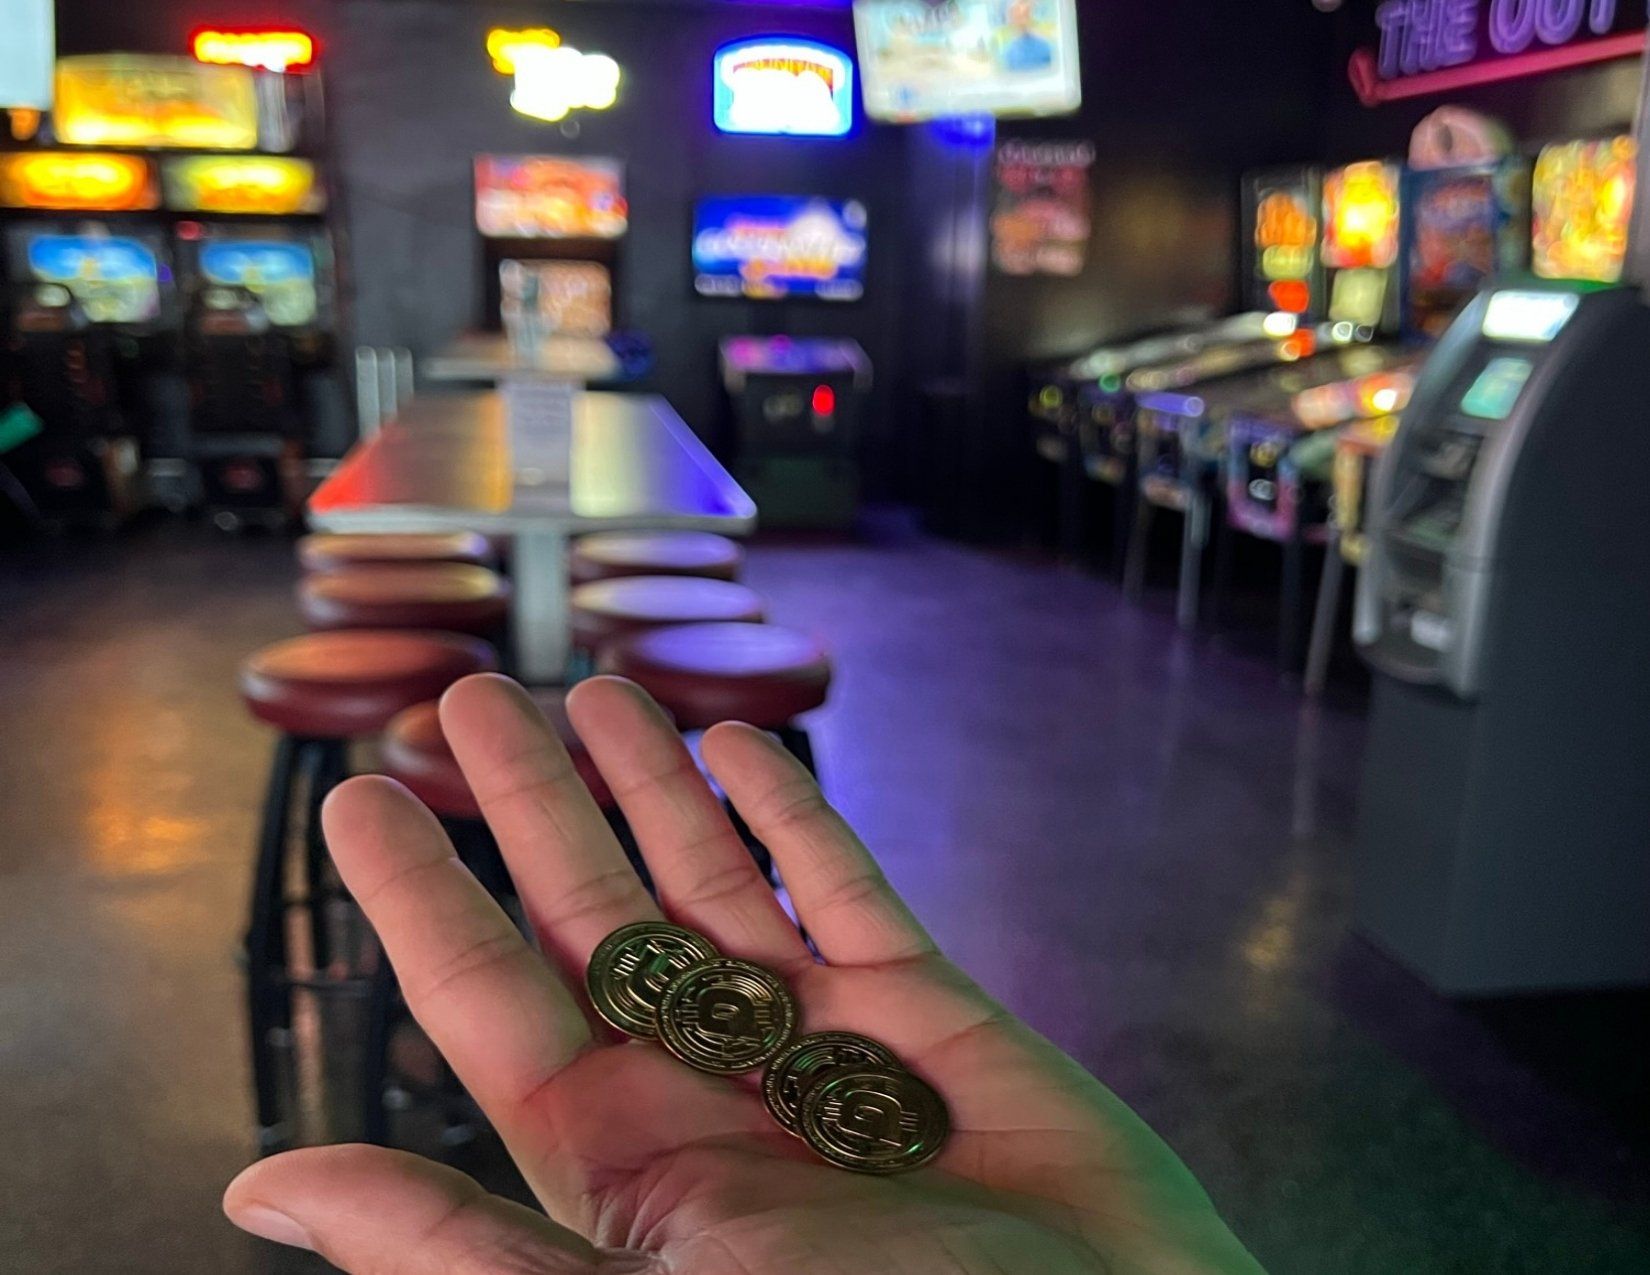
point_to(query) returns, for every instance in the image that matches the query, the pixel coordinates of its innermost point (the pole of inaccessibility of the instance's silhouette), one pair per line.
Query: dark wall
(412, 99)
(1179, 98)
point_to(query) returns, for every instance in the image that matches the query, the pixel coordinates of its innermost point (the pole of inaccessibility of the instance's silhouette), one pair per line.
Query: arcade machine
(1503, 612)
(257, 222)
(80, 466)
(246, 443)
(551, 227)
(84, 221)
(797, 404)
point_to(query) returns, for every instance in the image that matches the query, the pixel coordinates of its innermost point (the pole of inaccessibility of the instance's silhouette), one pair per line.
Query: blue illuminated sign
(768, 247)
(797, 88)
(115, 279)
(279, 272)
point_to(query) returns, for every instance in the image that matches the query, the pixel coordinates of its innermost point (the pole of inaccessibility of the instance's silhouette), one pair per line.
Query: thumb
(370, 1211)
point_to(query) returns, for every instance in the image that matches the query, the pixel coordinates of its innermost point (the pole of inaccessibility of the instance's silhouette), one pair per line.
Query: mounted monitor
(279, 272)
(550, 197)
(772, 247)
(924, 61)
(115, 278)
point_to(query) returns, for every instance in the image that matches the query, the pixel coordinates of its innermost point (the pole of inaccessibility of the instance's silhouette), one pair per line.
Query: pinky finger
(378, 1212)
(842, 898)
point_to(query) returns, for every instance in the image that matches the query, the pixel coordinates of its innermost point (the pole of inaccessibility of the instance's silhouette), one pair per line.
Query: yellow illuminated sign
(552, 78)
(269, 185)
(78, 181)
(128, 99)
(278, 51)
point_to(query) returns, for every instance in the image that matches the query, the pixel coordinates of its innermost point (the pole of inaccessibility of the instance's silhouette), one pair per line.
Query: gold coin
(725, 1016)
(874, 1119)
(630, 968)
(789, 1077)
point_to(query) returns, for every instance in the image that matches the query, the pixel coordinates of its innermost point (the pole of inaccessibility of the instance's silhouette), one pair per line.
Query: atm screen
(1494, 394)
(116, 279)
(280, 273)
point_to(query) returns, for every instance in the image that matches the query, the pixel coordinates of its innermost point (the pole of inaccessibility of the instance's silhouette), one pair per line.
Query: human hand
(643, 1164)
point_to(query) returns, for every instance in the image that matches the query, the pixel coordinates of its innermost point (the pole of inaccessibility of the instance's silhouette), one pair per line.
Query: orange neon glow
(1582, 199)
(1360, 216)
(1292, 296)
(279, 51)
(82, 181)
(1286, 235)
(270, 185)
(25, 122)
(153, 100)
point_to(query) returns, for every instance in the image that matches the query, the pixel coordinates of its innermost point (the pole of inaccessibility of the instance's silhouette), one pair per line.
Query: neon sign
(1436, 46)
(79, 181)
(794, 87)
(278, 51)
(552, 79)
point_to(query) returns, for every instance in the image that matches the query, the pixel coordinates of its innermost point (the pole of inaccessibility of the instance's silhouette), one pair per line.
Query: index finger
(568, 868)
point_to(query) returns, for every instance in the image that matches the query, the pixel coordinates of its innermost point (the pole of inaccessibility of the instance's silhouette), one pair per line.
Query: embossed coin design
(631, 967)
(725, 1016)
(874, 1120)
(805, 1061)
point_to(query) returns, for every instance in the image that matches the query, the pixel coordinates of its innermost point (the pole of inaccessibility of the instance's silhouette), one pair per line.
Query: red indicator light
(824, 401)
(190, 230)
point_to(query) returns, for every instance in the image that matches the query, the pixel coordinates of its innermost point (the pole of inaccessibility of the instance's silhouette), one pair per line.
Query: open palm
(643, 1164)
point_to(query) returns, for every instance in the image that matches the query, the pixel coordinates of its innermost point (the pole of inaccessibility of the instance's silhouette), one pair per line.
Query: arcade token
(726, 1017)
(630, 968)
(791, 1075)
(874, 1120)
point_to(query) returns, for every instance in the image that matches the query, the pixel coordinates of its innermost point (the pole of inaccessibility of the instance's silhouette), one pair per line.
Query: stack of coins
(843, 1094)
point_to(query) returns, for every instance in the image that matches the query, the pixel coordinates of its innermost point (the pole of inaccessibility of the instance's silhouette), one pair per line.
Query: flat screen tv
(920, 60)
(772, 247)
(550, 197)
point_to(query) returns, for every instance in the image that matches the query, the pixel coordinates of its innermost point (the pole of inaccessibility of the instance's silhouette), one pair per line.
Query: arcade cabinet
(798, 404)
(82, 466)
(245, 440)
(1503, 611)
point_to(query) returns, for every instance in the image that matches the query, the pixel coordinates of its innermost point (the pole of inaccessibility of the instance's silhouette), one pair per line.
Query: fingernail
(267, 1224)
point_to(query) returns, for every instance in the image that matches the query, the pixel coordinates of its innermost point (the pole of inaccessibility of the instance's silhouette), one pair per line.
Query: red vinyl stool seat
(606, 609)
(349, 684)
(452, 596)
(416, 753)
(610, 555)
(708, 673)
(329, 553)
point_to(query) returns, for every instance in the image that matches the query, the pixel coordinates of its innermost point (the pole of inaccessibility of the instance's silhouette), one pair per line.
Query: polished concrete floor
(1138, 840)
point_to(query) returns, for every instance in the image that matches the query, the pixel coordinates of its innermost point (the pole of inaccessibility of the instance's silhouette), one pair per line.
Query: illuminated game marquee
(798, 88)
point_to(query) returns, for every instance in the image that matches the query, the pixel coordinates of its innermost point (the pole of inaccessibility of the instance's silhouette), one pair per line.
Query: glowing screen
(1360, 216)
(115, 279)
(548, 197)
(1494, 394)
(1582, 198)
(775, 246)
(1528, 316)
(967, 57)
(784, 86)
(269, 185)
(573, 298)
(280, 273)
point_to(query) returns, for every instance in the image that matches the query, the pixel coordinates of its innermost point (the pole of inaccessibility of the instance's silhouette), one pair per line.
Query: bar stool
(609, 555)
(707, 673)
(320, 553)
(320, 691)
(453, 597)
(607, 609)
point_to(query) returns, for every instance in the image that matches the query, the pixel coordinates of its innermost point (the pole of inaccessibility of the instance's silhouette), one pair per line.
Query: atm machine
(1505, 826)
